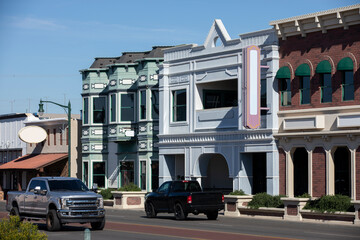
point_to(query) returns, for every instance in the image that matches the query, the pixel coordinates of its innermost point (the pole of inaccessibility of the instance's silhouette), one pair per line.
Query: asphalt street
(133, 224)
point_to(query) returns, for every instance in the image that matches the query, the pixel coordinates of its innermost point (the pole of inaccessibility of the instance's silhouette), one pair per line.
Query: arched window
(303, 72)
(324, 70)
(346, 67)
(283, 74)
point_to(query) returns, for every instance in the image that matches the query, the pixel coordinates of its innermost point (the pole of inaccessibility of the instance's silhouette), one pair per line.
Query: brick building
(319, 103)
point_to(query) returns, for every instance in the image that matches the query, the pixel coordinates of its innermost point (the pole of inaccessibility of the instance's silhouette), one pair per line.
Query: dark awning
(323, 67)
(283, 72)
(345, 64)
(303, 70)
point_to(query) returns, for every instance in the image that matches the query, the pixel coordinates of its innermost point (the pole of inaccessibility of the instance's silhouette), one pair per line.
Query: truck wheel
(212, 215)
(98, 225)
(179, 212)
(150, 210)
(52, 221)
(15, 212)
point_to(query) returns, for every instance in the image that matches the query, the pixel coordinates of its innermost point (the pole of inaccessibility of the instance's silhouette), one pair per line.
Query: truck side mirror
(37, 190)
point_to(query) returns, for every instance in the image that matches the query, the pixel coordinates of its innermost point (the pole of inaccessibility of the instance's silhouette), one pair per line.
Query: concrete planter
(337, 216)
(357, 212)
(108, 203)
(293, 206)
(233, 202)
(129, 200)
(262, 211)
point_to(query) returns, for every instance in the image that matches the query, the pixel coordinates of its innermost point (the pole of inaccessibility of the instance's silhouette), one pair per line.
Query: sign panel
(32, 134)
(251, 68)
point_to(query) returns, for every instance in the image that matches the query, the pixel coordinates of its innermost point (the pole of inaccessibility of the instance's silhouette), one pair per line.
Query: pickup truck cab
(58, 200)
(182, 198)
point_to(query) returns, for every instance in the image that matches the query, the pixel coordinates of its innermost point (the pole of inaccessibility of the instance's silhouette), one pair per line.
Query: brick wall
(316, 47)
(357, 167)
(319, 172)
(282, 172)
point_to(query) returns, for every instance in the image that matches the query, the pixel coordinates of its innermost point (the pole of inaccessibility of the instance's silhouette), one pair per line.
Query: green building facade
(120, 120)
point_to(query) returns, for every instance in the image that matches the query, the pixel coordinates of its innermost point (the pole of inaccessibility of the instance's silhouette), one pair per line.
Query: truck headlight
(64, 202)
(100, 202)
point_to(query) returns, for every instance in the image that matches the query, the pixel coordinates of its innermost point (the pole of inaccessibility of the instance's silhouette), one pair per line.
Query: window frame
(173, 106)
(157, 103)
(85, 113)
(344, 84)
(323, 87)
(113, 108)
(288, 90)
(141, 113)
(92, 173)
(121, 173)
(121, 107)
(302, 89)
(93, 110)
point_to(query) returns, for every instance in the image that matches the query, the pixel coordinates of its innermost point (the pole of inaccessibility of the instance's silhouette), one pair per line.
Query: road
(132, 224)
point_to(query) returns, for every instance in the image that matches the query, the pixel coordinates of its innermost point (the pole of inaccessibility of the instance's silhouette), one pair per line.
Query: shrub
(333, 203)
(304, 195)
(106, 193)
(129, 187)
(265, 200)
(237, 192)
(14, 229)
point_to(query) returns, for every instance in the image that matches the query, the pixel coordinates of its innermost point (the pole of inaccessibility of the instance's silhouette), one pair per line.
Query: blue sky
(44, 43)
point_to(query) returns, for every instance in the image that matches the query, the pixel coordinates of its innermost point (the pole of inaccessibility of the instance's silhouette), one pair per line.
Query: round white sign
(32, 134)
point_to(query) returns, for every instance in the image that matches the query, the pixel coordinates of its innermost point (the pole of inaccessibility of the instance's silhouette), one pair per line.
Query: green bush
(129, 188)
(238, 192)
(331, 203)
(106, 193)
(304, 195)
(265, 200)
(14, 229)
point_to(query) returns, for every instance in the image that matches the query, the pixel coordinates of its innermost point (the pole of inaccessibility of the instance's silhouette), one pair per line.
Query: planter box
(262, 211)
(337, 216)
(293, 206)
(129, 200)
(233, 202)
(108, 203)
(357, 212)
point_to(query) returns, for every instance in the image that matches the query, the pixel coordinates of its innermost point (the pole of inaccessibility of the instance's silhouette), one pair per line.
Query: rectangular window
(263, 93)
(285, 91)
(155, 175)
(219, 99)
(126, 173)
(99, 110)
(305, 90)
(54, 131)
(326, 89)
(86, 173)
(143, 175)
(48, 137)
(127, 107)
(154, 104)
(86, 111)
(61, 137)
(142, 104)
(179, 105)
(99, 174)
(112, 108)
(347, 85)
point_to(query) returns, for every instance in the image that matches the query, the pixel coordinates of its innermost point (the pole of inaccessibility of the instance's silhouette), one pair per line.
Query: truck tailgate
(206, 198)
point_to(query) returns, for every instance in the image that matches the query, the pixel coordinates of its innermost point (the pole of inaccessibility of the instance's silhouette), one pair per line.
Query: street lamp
(68, 111)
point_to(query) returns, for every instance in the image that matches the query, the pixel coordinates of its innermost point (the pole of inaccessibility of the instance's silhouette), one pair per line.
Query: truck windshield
(67, 185)
(186, 187)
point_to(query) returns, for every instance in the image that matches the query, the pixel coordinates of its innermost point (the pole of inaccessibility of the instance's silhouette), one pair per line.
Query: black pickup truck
(182, 198)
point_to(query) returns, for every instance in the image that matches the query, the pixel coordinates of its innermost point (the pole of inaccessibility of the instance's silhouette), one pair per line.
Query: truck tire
(98, 225)
(150, 210)
(52, 221)
(179, 212)
(212, 215)
(15, 212)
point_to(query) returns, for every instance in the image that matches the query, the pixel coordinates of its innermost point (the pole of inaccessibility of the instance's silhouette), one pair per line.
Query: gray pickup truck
(58, 200)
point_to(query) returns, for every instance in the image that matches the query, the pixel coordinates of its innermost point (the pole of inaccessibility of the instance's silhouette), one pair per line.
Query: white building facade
(205, 133)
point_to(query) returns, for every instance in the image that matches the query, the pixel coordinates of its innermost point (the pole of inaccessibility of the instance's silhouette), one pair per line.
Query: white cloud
(34, 23)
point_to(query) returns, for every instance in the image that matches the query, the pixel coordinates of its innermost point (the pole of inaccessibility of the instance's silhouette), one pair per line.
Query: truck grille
(82, 203)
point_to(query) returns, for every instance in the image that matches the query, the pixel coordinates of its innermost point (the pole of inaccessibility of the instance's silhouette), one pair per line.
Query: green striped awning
(303, 70)
(323, 67)
(283, 72)
(345, 64)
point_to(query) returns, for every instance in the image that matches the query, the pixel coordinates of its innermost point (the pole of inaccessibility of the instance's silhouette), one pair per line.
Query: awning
(34, 161)
(283, 72)
(323, 67)
(303, 70)
(345, 64)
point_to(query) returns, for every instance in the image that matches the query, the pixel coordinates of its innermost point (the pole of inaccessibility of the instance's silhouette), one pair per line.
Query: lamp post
(68, 111)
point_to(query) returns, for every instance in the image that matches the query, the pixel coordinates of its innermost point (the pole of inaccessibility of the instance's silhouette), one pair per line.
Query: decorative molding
(112, 82)
(179, 79)
(142, 78)
(126, 81)
(154, 77)
(112, 131)
(85, 132)
(86, 86)
(85, 148)
(98, 85)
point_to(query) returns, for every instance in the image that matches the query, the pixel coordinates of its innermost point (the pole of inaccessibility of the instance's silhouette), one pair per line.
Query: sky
(44, 43)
